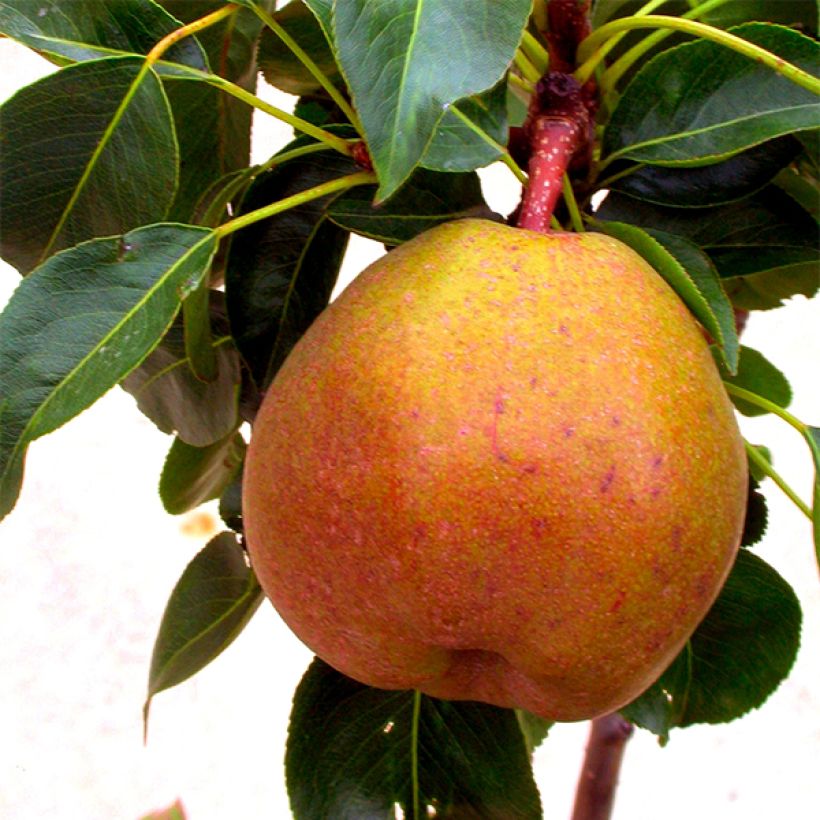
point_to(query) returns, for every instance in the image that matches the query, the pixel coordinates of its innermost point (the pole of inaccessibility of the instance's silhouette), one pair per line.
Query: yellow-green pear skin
(500, 467)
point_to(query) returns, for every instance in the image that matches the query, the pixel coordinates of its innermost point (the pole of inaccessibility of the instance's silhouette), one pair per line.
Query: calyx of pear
(502, 467)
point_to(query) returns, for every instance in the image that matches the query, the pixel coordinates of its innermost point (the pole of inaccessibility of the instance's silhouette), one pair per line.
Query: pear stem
(595, 794)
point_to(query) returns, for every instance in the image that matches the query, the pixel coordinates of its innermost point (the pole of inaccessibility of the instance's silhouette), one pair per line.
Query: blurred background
(89, 557)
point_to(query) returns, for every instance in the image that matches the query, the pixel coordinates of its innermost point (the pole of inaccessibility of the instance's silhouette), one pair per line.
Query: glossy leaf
(746, 645)
(88, 30)
(350, 749)
(281, 67)
(795, 13)
(688, 271)
(213, 128)
(428, 199)
(710, 103)
(726, 181)
(323, 11)
(167, 391)
(94, 176)
(406, 60)
(210, 605)
(764, 247)
(456, 147)
(281, 270)
(758, 375)
(193, 475)
(82, 321)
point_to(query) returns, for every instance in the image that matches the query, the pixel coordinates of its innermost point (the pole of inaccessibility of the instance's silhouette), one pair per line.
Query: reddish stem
(568, 22)
(595, 794)
(559, 130)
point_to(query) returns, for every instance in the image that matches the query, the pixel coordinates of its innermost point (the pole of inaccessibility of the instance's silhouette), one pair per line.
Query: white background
(88, 558)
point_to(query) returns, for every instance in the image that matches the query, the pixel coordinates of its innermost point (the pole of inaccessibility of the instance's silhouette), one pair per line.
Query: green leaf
(688, 271)
(281, 67)
(710, 102)
(80, 322)
(658, 709)
(230, 504)
(788, 12)
(764, 247)
(210, 605)
(456, 147)
(88, 30)
(193, 475)
(746, 645)
(726, 181)
(801, 190)
(351, 749)
(406, 60)
(535, 729)
(758, 375)
(762, 280)
(757, 515)
(812, 436)
(427, 199)
(323, 11)
(168, 392)
(213, 128)
(281, 270)
(94, 176)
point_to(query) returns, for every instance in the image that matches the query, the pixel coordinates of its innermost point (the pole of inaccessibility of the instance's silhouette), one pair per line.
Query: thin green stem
(414, 754)
(572, 205)
(502, 150)
(536, 53)
(765, 467)
(529, 71)
(587, 69)
(305, 59)
(765, 404)
(613, 74)
(754, 52)
(331, 187)
(520, 83)
(153, 56)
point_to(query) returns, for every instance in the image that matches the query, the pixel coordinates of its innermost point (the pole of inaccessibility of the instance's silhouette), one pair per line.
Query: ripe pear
(500, 467)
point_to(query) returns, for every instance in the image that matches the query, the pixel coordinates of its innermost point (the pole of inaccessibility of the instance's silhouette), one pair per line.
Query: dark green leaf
(756, 472)
(758, 375)
(800, 13)
(428, 199)
(88, 30)
(169, 393)
(757, 515)
(709, 185)
(193, 475)
(763, 279)
(764, 247)
(323, 11)
(658, 709)
(406, 60)
(213, 129)
(801, 190)
(69, 173)
(350, 748)
(279, 64)
(456, 147)
(688, 271)
(230, 504)
(83, 320)
(210, 605)
(710, 102)
(746, 645)
(281, 270)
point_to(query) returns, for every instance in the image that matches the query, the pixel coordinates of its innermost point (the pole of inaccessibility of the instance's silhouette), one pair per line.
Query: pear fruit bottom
(500, 467)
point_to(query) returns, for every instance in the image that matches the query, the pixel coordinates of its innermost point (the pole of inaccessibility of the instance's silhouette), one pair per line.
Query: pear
(501, 467)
